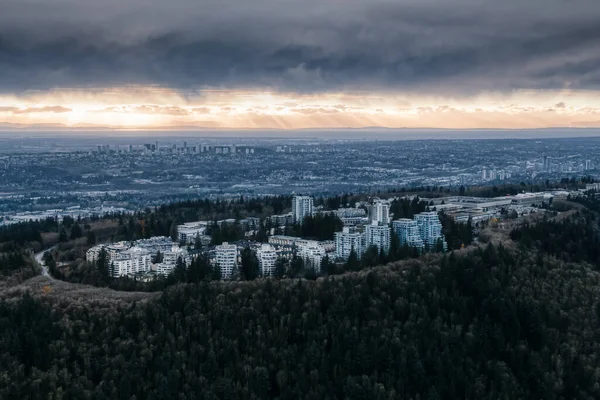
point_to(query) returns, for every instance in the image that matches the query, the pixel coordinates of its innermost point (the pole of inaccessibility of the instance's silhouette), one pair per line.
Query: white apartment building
(354, 221)
(327, 245)
(188, 232)
(408, 233)
(313, 255)
(378, 236)
(267, 258)
(112, 250)
(282, 220)
(156, 243)
(350, 212)
(430, 229)
(226, 258)
(302, 206)
(345, 241)
(130, 262)
(171, 256)
(379, 212)
(282, 240)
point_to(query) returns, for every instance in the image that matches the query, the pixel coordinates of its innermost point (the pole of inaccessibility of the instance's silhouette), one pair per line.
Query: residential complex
(424, 232)
(360, 231)
(140, 258)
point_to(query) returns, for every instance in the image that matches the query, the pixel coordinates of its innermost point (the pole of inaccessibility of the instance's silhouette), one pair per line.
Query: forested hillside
(518, 318)
(491, 324)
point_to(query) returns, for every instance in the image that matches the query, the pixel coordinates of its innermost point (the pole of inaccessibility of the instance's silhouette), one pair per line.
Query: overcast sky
(443, 49)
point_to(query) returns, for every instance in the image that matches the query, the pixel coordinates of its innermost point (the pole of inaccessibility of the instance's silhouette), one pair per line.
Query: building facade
(408, 233)
(302, 206)
(267, 258)
(282, 220)
(379, 212)
(312, 255)
(188, 232)
(346, 241)
(378, 236)
(226, 259)
(133, 261)
(430, 229)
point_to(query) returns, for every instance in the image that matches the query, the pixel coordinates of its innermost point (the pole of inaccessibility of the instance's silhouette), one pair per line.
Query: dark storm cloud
(449, 46)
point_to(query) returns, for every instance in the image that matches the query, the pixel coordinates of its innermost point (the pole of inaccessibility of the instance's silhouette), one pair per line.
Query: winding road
(39, 257)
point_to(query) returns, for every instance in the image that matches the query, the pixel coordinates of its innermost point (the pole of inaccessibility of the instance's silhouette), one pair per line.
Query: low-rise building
(354, 221)
(531, 199)
(188, 232)
(350, 212)
(282, 220)
(130, 262)
(135, 258)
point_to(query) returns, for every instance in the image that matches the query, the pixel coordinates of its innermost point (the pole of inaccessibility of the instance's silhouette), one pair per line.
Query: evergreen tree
(370, 258)
(76, 232)
(327, 266)
(250, 268)
(180, 270)
(91, 238)
(102, 264)
(199, 269)
(62, 236)
(296, 266)
(353, 263)
(158, 257)
(280, 267)
(215, 273)
(197, 243)
(394, 252)
(50, 263)
(173, 232)
(263, 231)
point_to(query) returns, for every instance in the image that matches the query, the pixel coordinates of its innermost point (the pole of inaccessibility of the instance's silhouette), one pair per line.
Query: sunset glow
(152, 107)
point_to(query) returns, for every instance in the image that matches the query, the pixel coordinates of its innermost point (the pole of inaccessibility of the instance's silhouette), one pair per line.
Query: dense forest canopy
(491, 324)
